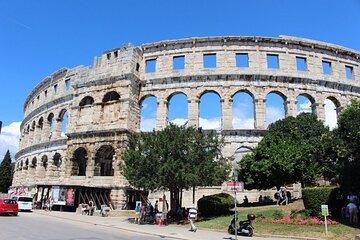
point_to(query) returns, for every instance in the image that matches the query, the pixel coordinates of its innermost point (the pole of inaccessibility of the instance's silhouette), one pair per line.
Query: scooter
(244, 228)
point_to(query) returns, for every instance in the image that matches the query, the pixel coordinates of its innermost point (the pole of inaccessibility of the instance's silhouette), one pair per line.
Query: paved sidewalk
(169, 231)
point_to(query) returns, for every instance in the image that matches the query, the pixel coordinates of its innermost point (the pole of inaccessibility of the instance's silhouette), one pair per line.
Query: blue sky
(39, 37)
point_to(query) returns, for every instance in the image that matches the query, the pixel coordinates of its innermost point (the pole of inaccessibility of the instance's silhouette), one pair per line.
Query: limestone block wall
(77, 121)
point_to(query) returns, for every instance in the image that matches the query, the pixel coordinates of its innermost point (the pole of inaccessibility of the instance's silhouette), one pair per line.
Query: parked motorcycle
(244, 227)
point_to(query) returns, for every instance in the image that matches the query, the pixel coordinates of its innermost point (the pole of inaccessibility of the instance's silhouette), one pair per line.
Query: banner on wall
(58, 194)
(70, 197)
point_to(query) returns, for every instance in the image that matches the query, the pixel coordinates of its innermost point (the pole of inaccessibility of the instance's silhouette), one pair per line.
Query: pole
(235, 212)
(326, 229)
(235, 217)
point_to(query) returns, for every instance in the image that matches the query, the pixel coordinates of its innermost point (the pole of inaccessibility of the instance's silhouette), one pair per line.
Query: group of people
(147, 213)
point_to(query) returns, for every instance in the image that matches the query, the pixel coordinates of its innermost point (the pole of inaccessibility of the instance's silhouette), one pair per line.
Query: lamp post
(235, 169)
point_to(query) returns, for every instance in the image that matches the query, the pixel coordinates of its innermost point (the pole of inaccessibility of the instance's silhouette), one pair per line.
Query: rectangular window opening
(45, 93)
(38, 97)
(150, 65)
(242, 60)
(67, 84)
(116, 54)
(210, 60)
(179, 62)
(349, 72)
(301, 64)
(272, 61)
(55, 88)
(326, 67)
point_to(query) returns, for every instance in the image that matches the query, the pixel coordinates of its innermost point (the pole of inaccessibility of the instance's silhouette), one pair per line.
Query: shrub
(278, 214)
(315, 197)
(260, 216)
(215, 205)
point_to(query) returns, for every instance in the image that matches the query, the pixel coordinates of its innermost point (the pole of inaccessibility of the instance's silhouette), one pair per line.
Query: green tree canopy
(288, 153)
(5, 173)
(341, 148)
(173, 159)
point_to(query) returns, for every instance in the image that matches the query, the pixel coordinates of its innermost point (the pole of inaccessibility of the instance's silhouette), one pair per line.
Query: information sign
(235, 186)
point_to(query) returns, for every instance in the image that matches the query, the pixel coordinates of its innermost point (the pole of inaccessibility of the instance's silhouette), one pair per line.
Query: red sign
(235, 186)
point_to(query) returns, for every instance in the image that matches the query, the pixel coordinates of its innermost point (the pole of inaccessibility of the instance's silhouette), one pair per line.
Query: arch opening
(243, 111)
(210, 111)
(178, 109)
(111, 96)
(79, 162)
(331, 106)
(275, 108)
(103, 161)
(148, 114)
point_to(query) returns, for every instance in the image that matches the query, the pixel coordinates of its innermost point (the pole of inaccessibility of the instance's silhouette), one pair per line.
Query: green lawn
(338, 231)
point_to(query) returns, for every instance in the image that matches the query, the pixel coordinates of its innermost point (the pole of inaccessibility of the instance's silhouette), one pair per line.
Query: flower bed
(298, 221)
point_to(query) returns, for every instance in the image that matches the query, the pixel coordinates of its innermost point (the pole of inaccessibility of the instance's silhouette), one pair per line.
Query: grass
(338, 231)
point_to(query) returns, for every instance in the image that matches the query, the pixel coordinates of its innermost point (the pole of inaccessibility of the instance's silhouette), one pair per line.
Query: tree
(340, 151)
(5, 173)
(173, 159)
(288, 153)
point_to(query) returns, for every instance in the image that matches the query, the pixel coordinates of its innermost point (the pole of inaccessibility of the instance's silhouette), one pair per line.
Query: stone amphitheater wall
(103, 101)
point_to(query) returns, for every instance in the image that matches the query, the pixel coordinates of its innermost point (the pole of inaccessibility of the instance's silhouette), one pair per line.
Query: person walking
(137, 213)
(192, 217)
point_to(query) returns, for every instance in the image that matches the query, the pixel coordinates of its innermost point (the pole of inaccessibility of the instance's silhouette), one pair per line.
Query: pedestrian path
(171, 231)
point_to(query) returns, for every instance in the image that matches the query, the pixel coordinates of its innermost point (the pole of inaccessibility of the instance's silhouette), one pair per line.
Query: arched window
(86, 101)
(57, 160)
(51, 122)
(304, 103)
(148, 107)
(275, 109)
(41, 123)
(331, 106)
(79, 162)
(26, 163)
(241, 152)
(64, 118)
(178, 109)
(44, 161)
(111, 96)
(33, 162)
(210, 111)
(103, 161)
(243, 111)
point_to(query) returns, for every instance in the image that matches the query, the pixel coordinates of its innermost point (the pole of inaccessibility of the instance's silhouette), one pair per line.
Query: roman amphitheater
(77, 121)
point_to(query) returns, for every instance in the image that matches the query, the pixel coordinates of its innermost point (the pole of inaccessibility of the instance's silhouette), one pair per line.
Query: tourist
(353, 213)
(137, 213)
(192, 217)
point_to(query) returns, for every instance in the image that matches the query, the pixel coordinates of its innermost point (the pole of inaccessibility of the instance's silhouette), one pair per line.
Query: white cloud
(239, 123)
(330, 114)
(179, 121)
(147, 124)
(212, 123)
(9, 139)
(305, 107)
(273, 114)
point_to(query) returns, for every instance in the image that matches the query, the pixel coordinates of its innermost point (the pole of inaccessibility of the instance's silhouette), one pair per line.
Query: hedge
(215, 205)
(315, 197)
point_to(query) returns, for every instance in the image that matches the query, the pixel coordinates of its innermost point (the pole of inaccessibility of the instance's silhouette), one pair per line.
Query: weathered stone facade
(103, 101)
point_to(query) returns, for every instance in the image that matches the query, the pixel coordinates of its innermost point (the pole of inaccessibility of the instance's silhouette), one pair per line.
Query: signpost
(325, 213)
(235, 186)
